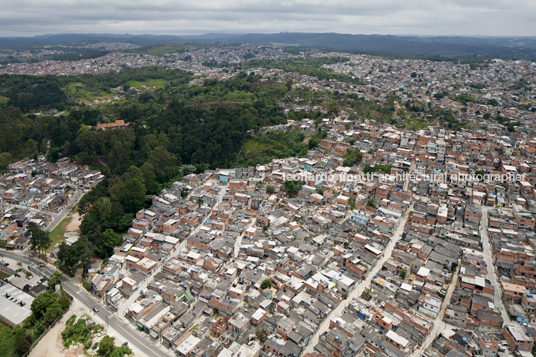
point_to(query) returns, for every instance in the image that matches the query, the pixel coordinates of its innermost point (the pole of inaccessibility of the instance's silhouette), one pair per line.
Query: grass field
(7, 340)
(3, 100)
(64, 112)
(158, 83)
(80, 93)
(162, 50)
(57, 234)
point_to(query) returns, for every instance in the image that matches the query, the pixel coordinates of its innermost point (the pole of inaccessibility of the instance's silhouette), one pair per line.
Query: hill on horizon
(385, 45)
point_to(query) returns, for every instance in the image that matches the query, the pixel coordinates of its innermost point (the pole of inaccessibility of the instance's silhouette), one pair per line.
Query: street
(439, 325)
(58, 217)
(358, 290)
(138, 342)
(492, 276)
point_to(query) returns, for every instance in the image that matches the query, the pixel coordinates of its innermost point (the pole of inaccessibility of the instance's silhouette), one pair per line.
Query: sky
(182, 17)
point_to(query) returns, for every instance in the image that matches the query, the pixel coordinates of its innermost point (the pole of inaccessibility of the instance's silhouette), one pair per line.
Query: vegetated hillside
(409, 46)
(174, 129)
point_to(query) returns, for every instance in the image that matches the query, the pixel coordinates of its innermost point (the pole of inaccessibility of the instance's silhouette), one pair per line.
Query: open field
(57, 235)
(158, 83)
(70, 223)
(7, 340)
(80, 93)
(74, 224)
(162, 50)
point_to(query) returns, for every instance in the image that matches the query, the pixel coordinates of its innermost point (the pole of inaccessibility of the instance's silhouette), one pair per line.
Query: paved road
(358, 290)
(134, 340)
(492, 276)
(58, 217)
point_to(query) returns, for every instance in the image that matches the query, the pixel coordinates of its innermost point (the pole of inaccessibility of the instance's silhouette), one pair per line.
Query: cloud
(423, 17)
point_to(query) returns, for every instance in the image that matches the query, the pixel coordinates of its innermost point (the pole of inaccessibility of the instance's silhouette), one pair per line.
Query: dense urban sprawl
(425, 247)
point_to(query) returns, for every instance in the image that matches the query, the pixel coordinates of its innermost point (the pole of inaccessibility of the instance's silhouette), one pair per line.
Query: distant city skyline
(180, 17)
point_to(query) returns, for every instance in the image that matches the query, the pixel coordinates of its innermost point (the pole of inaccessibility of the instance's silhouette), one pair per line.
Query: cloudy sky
(397, 17)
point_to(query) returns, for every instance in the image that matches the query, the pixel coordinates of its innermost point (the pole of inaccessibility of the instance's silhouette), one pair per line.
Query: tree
(292, 187)
(67, 255)
(367, 294)
(132, 195)
(266, 284)
(5, 160)
(39, 239)
(64, 302)
(84, 252)
(55, 279)
(120, 352)
(352, 157)
(480, 174)
(53, 312)
(453, 267)
(493, 102)
(413, 74)
(270, 190)
(110, 239)
(23, 346)
(125, 222)
(54, 154)
(42, 302)
(165, 163)
(261, 334)
(106, 345)
(289, 84)
(403, 274)
(370, 202)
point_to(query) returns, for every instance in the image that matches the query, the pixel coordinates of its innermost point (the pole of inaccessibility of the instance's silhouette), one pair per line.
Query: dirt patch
(51, 345)
(74, 223)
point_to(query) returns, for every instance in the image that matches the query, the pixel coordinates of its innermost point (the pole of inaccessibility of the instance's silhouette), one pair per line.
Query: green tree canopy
(266, 284)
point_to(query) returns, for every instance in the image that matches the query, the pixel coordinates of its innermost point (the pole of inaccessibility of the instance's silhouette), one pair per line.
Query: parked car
(124, 344)
(95, 309)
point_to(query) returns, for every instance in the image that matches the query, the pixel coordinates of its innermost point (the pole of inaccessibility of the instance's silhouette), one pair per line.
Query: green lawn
(158, 83)
(80, 92)
(7, 340)
(3, 100)
(162, 50)
(64, 112)
(57, 235)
